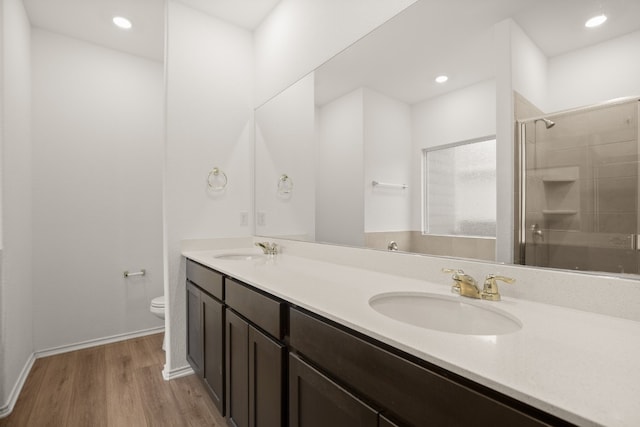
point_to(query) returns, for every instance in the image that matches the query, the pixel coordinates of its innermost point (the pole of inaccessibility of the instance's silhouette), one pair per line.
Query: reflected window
(460, 189)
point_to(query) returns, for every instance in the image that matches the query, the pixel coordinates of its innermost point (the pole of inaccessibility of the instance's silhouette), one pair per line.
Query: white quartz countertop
(580, 366)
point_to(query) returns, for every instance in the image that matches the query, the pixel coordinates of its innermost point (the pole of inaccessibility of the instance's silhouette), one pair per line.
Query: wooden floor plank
(124, 407)
(114, 385)
(159, 405)
(89, 391)
(52, 404)
(195, 405)
(144, 353)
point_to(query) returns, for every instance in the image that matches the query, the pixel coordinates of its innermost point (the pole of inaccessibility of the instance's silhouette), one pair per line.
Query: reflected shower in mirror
(369, 113)
(580, 189)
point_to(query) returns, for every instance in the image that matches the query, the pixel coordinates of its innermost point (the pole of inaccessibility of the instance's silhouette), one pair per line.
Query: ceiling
(400, 59)
(247, 14)
(433, 37)
(557, 26)
(90, 20)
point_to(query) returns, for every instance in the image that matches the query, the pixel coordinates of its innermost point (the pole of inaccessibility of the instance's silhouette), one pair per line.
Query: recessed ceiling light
(595, 21)
(441, 79)
(122, 22)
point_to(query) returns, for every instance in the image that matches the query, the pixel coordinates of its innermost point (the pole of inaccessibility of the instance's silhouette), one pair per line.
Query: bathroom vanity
(286, 362)
(303, 346)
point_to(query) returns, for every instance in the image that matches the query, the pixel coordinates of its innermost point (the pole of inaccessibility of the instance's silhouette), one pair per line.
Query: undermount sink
(239, 257)
(451, 314)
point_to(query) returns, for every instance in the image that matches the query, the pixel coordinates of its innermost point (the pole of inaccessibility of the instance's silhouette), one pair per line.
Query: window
(460, 189)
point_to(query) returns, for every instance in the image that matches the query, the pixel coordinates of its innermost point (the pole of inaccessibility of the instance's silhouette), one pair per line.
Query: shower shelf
(559, 212)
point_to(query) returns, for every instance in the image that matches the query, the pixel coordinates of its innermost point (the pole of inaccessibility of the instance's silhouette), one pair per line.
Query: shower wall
(581, 204)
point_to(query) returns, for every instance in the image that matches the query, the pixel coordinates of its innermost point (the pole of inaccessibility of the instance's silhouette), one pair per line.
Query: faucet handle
(458, 276)
(490, 291)
(455, 287)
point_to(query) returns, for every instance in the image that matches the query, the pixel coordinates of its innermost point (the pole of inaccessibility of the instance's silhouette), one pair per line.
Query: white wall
(364, 136)
(529, 69)
(97, 188)
(457, 116)
(339, 182)
(461, 115)
(209, 123)
(300, 35)
(595, 74)
(582, 77)
(387, 158)
(16, 325)
(285, 144)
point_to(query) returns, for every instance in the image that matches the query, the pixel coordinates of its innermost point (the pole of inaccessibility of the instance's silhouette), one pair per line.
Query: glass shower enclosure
(578, 189)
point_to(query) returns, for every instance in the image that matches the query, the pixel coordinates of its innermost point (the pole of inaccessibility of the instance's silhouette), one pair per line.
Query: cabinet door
(194, 329)
(316, 401)
(213, 343)
(266, 358)
(237, 369)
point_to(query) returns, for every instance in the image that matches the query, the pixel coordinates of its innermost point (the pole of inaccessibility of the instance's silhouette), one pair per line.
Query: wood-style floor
(117, 385)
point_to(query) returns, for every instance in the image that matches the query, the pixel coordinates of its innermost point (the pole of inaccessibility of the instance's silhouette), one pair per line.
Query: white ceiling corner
(247, 14)
(91, 20)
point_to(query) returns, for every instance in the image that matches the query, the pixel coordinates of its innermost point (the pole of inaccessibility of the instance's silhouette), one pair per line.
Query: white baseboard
(96, 342)
(176, 373)
(5, 410)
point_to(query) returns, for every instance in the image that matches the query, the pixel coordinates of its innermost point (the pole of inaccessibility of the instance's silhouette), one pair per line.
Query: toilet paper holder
(142, 272)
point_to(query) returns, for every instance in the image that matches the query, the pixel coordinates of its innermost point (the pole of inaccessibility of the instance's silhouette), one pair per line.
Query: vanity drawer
(412, 393)
(263, 311)
(206, 279)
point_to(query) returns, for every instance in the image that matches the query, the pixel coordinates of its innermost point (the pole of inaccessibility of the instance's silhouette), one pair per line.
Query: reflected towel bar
(389, 185)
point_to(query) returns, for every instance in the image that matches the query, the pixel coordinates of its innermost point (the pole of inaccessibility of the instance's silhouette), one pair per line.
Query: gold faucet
(490, 291)
(463, 284)
(268, 248)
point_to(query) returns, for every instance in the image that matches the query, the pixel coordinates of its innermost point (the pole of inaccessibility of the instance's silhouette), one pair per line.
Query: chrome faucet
(268, 248)
(463, 284)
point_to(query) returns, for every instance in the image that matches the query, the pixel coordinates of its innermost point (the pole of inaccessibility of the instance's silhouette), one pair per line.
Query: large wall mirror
(364, 150)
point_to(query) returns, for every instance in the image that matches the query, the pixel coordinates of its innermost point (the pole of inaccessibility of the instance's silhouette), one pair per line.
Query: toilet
(157, 308)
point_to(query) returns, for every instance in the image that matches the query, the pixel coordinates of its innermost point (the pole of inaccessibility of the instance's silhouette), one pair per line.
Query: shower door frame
(521, 182)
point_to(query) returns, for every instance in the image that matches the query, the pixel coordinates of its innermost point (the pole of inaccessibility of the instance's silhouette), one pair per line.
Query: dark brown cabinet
(266, 380)
(205, 329)
(384, 422)
(237, 370)
(195, 354)
(213, 346)
(254, 360)
(316, 401)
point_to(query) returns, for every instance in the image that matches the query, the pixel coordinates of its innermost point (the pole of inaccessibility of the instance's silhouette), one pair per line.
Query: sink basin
(451, 314)
(239, 257)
